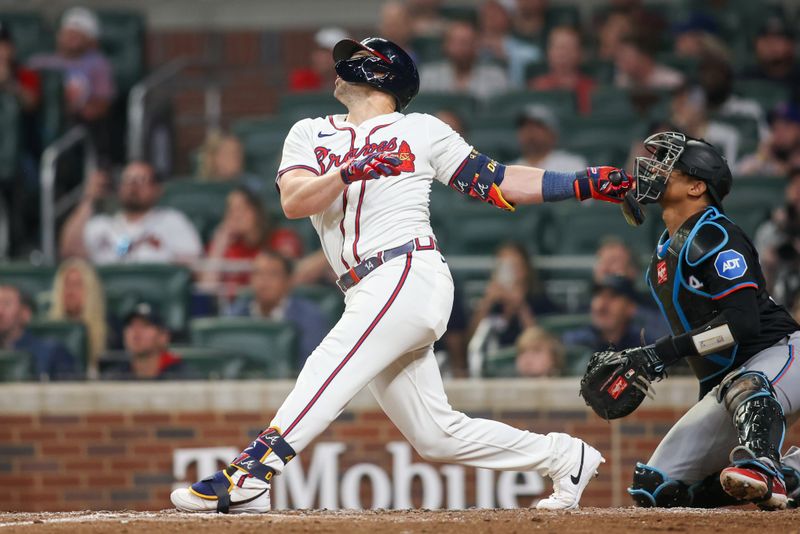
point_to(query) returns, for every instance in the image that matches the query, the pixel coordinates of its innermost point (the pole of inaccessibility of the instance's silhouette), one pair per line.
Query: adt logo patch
(730, 264)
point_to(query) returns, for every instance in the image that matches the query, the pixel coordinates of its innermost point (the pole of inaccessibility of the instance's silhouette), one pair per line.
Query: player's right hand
(370, 167)
(609, 184)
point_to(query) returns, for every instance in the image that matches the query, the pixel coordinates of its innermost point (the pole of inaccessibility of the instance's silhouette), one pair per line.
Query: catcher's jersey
(374, 215)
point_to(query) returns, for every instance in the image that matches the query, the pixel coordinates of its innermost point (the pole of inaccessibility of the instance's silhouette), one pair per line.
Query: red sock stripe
(358, 344)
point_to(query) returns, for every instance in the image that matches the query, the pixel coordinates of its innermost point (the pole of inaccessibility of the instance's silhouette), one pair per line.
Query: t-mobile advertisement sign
(325, 484)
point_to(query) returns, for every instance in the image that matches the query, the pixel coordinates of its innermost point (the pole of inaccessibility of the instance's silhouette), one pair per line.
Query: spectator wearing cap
(499, 45)
(564, 60)
(147, 356)
(140, 232)
(697, 37)
(537, 135)
(775, 56)
(319, 74)
(612, 312)
(15, 78)
(636, 67)
(89, 85)
(461, 70)
(775, 154)
(270, 280)
(51, 360)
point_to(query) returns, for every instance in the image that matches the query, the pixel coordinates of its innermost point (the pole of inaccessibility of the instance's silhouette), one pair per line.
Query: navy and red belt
(355, 274)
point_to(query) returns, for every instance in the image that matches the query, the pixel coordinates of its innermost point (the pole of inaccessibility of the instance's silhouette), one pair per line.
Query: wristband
(557, 186)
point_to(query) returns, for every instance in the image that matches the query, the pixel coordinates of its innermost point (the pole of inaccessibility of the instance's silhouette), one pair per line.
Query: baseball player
(364, 180)
(740, 344)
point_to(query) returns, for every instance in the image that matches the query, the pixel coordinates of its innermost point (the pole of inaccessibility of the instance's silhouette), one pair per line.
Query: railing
(138, 117)
(51, 209)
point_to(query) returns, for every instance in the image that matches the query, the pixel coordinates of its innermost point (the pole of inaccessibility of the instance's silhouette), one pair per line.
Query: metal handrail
(137, 102)
(49, 209)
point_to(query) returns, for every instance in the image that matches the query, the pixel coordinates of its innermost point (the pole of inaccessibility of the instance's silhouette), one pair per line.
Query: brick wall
(121, 459)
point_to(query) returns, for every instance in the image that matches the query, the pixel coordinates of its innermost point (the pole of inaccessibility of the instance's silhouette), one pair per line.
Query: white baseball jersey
(375, 215)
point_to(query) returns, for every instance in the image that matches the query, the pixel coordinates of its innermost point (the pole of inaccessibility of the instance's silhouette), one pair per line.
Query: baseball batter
(741, 345)
(364, 180)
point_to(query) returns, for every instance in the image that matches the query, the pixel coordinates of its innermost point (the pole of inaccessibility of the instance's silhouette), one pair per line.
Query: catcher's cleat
(752, 485)
(223, 492)
(567, 489)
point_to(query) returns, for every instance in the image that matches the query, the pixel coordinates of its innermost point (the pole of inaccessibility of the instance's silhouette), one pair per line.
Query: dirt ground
(586, 520)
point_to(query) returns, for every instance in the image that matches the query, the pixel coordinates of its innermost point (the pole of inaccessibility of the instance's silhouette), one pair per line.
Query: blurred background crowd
(132, 247)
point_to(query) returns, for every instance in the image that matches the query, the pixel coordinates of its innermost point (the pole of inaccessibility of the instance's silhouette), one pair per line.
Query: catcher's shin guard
(653, 488)
(757, 416)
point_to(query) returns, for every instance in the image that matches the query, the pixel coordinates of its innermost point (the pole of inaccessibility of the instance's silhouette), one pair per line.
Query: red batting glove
(370, 167)
(603, 183)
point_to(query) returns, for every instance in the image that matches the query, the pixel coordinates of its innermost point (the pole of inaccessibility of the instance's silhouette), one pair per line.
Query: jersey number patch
(730, 264)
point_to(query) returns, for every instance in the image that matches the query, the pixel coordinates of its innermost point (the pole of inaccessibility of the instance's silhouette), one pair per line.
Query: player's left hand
(370, 167)
(603, 183)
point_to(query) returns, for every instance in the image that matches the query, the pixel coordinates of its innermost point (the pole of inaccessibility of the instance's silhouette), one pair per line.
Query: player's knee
(741, 387)
(653, 488)
(440, 444)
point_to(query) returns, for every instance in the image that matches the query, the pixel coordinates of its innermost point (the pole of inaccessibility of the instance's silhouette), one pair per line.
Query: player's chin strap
(480, 177)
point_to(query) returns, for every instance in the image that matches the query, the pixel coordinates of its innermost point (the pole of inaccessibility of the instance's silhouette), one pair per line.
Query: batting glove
(370, 167)
(603, 183)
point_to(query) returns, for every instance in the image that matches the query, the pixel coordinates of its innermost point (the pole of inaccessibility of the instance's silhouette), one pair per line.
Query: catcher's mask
(652, 172)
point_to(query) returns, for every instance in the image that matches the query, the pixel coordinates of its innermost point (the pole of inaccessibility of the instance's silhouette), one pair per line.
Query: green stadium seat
(577, 358)
(509, 105)
(463, 105)
(768, 94)
(71, 334)
(270, 345)
(563, 15)
(31, 279)
(428, 49)
(747, 127)
(166, 287)
(29, 32)
(752, 200)
(211, 363)
(16, 366)
(304, 228)
(122, 40)
(202, 202)
(10, 142)
(558, 324)
(569, 235)
(329, 299)
(502, 364)
(296, 106)
(610, 101)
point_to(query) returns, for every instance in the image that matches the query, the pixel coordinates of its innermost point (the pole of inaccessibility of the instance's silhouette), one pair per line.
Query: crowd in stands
(685, 72)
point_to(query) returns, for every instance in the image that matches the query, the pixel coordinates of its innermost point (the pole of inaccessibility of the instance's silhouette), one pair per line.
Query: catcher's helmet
(695, 157)
(388, 69)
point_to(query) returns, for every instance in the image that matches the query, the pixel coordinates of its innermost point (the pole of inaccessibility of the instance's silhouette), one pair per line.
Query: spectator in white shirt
(461, 71)
(139, 233)
(537, 135)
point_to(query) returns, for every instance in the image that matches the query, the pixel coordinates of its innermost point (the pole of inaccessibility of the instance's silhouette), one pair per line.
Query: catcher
(740, 344)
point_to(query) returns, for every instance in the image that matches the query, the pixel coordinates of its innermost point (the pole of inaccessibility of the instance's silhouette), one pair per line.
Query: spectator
(715, 76)
(650, 25)
(613, 30)
(564, 61)
(775, 56)
(395, 25)
(696, 37)
(537, 135)
(78, 296)
(530, 21)
(241, 235)
(222, 160)
(539, 353)
(319, 74)
(778, 243)
(636, 68)
(271, 283)
(611, 318)
(513, 300)
(689, 114)
(454, 120)
(426, 18)
(15, 78)
(147, 354)
(499, 46)
(614, 258)
(774, 155)
(461, 71)
(88, 77)
(51, 361)
(140, 232)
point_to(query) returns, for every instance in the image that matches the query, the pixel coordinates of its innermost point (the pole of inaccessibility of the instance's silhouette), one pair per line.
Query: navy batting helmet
(389, 68)
(695, 157)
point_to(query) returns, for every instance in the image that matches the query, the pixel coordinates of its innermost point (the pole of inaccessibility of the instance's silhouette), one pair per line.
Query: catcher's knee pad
(750, 399)
(652, 487)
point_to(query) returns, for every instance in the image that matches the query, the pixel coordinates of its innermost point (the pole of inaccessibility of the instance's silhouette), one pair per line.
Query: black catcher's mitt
(616, 382)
